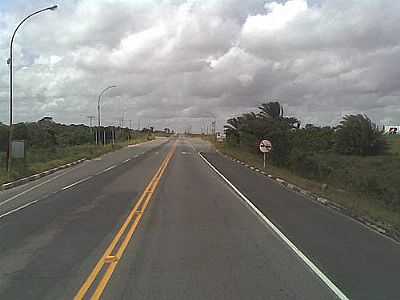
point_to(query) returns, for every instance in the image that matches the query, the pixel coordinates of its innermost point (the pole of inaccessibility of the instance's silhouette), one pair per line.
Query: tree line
(352, 155)
(355, 135)
(47, 134)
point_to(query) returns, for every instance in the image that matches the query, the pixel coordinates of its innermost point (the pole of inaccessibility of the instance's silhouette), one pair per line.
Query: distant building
(391, 129)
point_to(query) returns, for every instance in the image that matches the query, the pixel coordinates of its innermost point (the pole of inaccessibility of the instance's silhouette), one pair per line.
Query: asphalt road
(361, 262)
(14, 199)
(48, 248)
(193, 238)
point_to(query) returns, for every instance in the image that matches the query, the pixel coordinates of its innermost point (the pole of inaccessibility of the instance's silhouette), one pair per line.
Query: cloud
(183, 62)
(277, 17)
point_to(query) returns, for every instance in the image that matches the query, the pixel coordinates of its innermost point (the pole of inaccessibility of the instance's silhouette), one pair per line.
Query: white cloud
(278, 16)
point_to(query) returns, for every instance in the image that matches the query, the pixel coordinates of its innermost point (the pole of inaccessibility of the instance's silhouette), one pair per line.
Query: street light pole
(10, 63)
(98, 108)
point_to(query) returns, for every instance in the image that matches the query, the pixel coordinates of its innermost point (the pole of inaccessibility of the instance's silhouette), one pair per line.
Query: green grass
(393, 142)
(360, 203)
(39, 160)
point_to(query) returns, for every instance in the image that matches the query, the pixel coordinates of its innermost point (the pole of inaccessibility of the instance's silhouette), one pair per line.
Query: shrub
(309, 165)
(313, 139)
(357, 135)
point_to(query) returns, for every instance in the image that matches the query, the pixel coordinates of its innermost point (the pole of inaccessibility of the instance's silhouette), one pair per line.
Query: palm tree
(232, 129)
(292, 122)
(251, 116)
(272, 110)
(357, 135)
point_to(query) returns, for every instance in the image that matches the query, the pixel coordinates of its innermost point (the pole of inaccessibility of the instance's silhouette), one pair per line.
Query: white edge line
(126, 160)
(39, 185)
(300, 254)
(47, 181)
(37, 200)
(75, 183)
(108, 169)
(18, 208)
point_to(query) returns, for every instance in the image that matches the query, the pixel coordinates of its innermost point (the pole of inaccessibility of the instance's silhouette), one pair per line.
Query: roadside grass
(360, 203)
(393, 142)
(40, 160)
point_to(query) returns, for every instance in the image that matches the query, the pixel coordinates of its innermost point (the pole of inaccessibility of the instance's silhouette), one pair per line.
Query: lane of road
(106, 265)
(48, 249)
(199, 241)
(15, 199)
(363, 263)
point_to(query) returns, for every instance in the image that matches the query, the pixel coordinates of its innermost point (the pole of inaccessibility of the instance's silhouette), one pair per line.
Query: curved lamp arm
(103, 91)
(98, 102)
(54, 7)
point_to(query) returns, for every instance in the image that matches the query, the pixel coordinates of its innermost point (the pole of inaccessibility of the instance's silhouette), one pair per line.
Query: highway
(161, 221)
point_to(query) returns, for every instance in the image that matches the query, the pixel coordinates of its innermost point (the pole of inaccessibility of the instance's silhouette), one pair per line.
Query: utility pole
(118, 123)
(213, 124)
(91, 118)
(122, 119)
(129, 131)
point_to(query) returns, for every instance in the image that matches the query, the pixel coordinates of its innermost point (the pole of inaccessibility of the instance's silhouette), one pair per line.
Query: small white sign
(265, 146)
(18, 149)
(392, 129)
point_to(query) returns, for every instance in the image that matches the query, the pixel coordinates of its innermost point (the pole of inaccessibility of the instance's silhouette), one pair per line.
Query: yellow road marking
(110, 260)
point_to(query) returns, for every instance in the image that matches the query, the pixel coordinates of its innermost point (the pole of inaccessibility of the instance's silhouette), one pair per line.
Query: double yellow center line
(108, 262)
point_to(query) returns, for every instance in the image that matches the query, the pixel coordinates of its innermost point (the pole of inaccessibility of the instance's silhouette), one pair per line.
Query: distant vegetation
(46, 133)
(49, 144)
(354, 156)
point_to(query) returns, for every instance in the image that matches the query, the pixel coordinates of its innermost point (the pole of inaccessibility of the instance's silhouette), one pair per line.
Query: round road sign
(265, 146)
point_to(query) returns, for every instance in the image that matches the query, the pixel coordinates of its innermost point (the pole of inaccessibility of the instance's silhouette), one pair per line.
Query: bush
(309, 165)
(357, 135)
(313, 139)
(281, 148)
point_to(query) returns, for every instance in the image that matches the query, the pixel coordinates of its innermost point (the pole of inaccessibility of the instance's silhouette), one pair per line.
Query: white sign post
(265, 147)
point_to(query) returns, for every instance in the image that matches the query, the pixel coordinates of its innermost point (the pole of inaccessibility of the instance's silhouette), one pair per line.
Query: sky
(182, 64)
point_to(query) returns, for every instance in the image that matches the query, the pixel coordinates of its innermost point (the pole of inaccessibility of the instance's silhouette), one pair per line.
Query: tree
(272, 110)
(313, 139)
(269, 123)
(232, 130)
(357, 135)
(252, 130)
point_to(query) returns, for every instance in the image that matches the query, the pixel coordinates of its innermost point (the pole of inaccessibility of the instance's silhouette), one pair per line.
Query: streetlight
(10, 63)
(98, 109)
